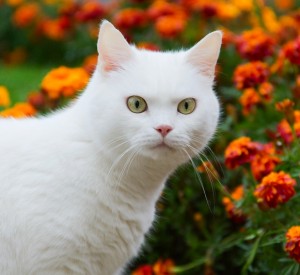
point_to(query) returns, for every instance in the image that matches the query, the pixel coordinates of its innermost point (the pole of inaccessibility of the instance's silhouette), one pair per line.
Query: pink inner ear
(109, 65)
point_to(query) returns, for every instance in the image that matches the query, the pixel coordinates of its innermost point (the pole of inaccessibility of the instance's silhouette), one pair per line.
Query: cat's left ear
(205, 53)
(112, 47)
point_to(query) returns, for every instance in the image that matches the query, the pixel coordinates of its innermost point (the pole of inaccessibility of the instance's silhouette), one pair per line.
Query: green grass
(22, 79)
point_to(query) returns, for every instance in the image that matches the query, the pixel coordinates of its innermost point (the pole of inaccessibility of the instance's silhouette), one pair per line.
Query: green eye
(187, 106)
(136, 104)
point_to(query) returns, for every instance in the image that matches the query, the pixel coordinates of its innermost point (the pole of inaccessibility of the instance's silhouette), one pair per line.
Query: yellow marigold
(275, 188)
(64, 81)
(250, 74)
(26, 14)
(163, 267)
(292, 246)
(235, 214)
(270, 19)
(240, 151)
(249, 99)
(19, 110)
(4, 97)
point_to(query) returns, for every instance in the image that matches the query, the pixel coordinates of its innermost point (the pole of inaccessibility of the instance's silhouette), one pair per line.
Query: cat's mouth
(163, 145)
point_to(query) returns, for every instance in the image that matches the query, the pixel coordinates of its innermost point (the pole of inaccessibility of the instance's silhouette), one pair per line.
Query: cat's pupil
(186, 105)
(137, 104)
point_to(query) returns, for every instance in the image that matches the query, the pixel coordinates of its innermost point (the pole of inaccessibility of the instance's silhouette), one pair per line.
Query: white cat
(78, 188)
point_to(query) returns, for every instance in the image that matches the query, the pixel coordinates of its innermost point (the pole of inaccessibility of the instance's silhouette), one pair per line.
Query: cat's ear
(205, 53)
(113, 48)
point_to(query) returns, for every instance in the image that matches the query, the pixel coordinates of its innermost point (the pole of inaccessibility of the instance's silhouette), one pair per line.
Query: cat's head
(155, 104)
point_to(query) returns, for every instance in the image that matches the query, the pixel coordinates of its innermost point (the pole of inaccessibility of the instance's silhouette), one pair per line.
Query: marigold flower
(227, 11)
(264, 162)
(235, 214)
(64, 81)
(244, 5)
(4, 97)
(19, 110)
(250, 74)
(55, 29)
(284, 4)
(143, 270)
(170, 26)
(292, 246)
(285, 131)
(255, 44)
(26, 14)
(248, 100)
(130, 18)
(161, 8)
(275, 188)
(240, 151)
(291, 51)
(297, 122)
(266, 90)
(90, 10)
(90, 63)
(163, 267)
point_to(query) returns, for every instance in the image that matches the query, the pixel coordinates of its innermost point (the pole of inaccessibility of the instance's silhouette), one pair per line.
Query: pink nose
(164, 129)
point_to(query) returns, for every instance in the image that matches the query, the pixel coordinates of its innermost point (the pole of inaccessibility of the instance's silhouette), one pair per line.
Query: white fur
(73, 198)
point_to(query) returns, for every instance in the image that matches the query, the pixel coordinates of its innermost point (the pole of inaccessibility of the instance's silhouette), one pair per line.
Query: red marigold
(275, 188)
(240, 151)
(264, 162)
(90, 10)
(248, 100)
(163, 267)
(292, 246)
(129, 18)
(255, 44)
(143, 270)
(291, 51)
(235, 214)
(250, 74)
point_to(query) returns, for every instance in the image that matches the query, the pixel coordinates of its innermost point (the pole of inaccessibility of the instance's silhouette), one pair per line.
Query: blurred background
(235, 210)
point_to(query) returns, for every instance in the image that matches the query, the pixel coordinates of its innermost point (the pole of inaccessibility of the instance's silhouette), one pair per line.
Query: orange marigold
(297, 122)
(292, 246)
(170, 26)
(266, 90)
(26, 14)
(275, 188)
(285, 131)
(250, 74)
(264, 162)
(4, 97)
(55, 29)
(248, 100)
(240, 151)
(163, 267)
(19, 110)
(255, 44)
(235, 214)
(161, 8)
(64, 81)
(130, 18)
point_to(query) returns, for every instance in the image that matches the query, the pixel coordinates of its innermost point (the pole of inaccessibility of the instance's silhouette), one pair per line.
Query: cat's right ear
(112, 47)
